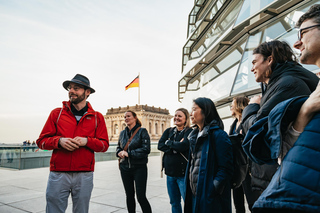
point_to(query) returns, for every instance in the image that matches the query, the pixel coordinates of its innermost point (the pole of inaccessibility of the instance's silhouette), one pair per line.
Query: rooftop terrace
(24, 190)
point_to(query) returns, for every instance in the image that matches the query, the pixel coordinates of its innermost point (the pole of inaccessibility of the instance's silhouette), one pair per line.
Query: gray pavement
(24, 190)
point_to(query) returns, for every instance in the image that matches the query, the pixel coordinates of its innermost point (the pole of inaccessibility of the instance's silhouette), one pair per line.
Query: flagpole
(139, 89)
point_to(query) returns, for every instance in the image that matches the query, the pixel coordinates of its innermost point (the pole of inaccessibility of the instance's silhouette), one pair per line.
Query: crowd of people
(27, 144)
(281, 129)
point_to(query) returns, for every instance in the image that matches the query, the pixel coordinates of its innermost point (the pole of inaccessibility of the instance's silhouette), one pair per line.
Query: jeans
(176, 190)
(62, 184)
(135, 178)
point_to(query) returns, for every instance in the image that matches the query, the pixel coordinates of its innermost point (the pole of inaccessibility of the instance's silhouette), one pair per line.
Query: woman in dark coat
(210, 167)
(133, 164)
(281, 77)
(175, 145)
(237, 106)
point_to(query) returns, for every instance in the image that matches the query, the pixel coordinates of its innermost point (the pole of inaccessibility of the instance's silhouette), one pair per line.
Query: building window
(123, 126)
(199, 44)
(150, 128)
(250, 7)
(156, 128)
(116, 129)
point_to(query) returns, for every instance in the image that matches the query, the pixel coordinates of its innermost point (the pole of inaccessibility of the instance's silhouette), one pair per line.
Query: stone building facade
(154, 119)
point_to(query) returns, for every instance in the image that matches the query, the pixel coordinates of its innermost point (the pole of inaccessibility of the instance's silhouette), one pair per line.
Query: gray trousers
(61, 184)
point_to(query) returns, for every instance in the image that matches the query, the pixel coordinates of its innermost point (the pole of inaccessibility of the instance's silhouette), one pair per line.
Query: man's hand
(69, 144)
(255, 100)
(312, 104)
(81, 141)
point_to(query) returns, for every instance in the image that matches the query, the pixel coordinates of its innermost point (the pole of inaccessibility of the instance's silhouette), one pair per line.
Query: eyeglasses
(300, 33)
(75, 88)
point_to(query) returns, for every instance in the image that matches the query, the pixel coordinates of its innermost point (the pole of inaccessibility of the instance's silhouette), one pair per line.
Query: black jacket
(233, 125)
(138, 149)
(170, 143)
(287, 80)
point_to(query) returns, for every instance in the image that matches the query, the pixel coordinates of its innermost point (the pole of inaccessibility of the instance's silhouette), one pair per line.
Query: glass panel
(215, 8)
(227, 123)
(274, 31)
(182, 82)
(193, 18)
(250, 7)
(221, 24)
(207, 76)
(194, 23)
(10, 156)
(228, 61)
(224, 112)
(219, 27)
(194, 85)
(221, 86)
(245, 79)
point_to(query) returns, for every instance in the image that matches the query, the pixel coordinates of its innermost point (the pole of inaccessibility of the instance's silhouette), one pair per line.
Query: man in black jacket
(281, 77)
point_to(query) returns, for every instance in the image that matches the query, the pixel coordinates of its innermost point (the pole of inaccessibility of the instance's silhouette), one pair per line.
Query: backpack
(240, 161)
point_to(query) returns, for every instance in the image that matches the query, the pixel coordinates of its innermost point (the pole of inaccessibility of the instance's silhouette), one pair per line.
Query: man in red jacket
(74, 132)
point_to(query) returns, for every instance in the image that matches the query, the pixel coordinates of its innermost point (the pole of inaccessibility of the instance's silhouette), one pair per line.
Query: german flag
(134, 83)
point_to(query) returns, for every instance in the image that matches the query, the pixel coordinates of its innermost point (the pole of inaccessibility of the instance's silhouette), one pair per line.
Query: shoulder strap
(171, 133)
(130, 139)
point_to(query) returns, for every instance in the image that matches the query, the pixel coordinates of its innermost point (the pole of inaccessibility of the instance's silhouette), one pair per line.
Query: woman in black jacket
(237, 106)
(133, 163)
(175, 145)
(281, 78)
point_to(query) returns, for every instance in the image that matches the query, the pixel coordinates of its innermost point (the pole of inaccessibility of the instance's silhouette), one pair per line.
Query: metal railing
(29, 157)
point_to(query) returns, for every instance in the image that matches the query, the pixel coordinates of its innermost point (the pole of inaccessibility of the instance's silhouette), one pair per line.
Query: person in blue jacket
(295, 187)
(290, 134)
(210, 167)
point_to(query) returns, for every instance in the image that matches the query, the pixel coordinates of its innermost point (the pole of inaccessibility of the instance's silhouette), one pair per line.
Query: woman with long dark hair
(210, 167)
(133, 149)
(175, 145)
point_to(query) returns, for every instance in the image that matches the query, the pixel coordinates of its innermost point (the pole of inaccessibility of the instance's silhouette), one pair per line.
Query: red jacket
(62, 123)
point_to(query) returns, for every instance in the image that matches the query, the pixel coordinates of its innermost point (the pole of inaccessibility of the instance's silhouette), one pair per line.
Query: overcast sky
(45, 42)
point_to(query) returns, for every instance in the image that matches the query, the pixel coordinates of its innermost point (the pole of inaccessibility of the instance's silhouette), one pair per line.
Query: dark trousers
(245, 189)
(135, 179)
(238, 199)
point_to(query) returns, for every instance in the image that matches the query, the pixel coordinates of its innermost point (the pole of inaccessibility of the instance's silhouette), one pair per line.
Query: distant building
(221, 35)
(155, 120)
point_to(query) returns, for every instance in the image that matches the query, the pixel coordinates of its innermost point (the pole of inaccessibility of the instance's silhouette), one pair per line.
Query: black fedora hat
(79, 79)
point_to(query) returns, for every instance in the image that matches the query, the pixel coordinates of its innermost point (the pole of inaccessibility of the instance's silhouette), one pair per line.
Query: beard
(78, 99)
(304, 57)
